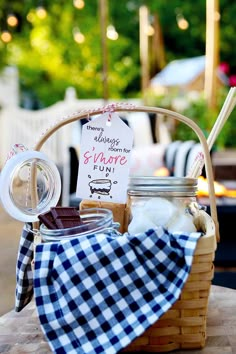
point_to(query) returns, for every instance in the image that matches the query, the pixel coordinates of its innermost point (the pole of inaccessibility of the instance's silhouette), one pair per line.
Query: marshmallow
(159, 210)
(140, 223)
(182, 223)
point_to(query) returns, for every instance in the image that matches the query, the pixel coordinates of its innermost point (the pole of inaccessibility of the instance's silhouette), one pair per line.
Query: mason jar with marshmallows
(169, 202)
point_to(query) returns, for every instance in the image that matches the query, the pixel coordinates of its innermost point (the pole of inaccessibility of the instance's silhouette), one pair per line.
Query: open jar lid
(30, 185)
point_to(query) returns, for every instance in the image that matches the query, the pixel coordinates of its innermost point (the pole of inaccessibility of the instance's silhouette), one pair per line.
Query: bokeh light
(78, 36)
(79, 4)
(112, 33)
(12, 20)
(6, 36)
(41, 12)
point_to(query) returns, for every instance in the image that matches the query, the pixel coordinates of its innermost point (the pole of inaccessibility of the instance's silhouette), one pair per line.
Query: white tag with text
(104, 161)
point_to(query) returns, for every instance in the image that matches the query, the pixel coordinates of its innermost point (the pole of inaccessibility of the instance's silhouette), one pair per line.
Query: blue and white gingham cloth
(97, 293)
(24, 274)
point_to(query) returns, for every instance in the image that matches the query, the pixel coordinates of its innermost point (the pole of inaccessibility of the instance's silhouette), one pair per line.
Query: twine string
(111, 107)
(15, 149)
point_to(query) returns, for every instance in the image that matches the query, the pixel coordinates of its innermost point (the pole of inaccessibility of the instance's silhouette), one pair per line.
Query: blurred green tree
(52, 54)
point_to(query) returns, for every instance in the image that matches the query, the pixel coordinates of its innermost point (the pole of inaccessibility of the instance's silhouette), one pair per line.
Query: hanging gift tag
(104, 163)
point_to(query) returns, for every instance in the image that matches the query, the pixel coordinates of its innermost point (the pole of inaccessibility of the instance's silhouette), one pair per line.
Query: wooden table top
(20, 332)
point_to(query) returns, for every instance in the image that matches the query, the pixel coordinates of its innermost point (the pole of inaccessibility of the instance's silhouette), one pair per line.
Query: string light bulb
(112, 33)
(150, 30)
(79, 4)
(41, 12)
(12, 20)
(217, 16)
(6, 36)
(182, 22)
(78, 36)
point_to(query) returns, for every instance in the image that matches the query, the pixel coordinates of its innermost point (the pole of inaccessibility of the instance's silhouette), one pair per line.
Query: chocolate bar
(60, 212)
(48, 220)
(67, 222)
(61, 218)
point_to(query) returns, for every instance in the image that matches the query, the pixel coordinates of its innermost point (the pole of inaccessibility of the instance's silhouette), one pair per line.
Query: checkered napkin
(96, 294)
(24, 274)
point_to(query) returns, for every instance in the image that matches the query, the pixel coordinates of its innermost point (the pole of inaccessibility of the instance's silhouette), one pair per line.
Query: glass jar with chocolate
(68, 222)
(169, 202)
(30, 189)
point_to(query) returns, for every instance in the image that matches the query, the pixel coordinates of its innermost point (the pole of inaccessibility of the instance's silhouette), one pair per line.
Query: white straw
(224, 114)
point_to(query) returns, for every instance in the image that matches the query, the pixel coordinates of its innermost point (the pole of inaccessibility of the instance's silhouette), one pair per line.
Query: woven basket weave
(184, 325)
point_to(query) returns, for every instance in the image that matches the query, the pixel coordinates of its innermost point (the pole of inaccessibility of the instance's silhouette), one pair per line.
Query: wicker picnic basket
(184, 325)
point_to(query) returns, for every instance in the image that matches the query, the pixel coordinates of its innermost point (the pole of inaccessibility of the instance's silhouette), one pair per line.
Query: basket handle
(126, 108)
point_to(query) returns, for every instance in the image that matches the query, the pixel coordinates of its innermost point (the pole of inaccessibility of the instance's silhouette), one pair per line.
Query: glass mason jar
(162, 201)
(93, 220)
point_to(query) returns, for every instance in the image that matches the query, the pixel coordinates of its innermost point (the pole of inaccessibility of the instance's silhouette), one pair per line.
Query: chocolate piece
(66, 222)
(58, 212)
(61, 218)
(66, 217)
(48, 220)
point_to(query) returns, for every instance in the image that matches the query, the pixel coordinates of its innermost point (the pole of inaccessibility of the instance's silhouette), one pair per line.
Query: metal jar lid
(174, 186)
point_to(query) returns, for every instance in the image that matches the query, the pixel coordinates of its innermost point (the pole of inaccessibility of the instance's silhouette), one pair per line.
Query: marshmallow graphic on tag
(100, 186)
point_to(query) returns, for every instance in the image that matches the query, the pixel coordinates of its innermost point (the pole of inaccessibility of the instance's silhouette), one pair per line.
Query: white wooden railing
(9, 87)
(19, 125)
